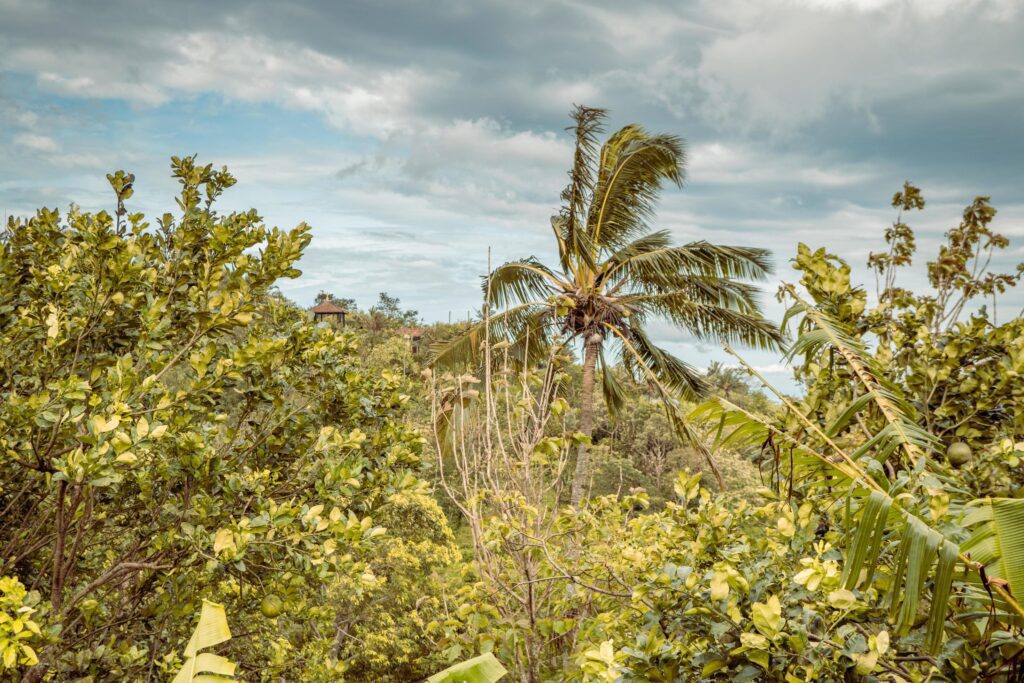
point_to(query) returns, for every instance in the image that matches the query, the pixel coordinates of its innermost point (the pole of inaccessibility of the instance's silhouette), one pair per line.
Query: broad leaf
(483, 669)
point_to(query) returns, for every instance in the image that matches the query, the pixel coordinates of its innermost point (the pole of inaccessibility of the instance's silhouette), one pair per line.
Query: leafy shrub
(174, 431)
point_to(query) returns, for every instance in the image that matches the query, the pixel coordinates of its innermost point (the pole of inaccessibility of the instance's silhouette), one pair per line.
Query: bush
(174, 431)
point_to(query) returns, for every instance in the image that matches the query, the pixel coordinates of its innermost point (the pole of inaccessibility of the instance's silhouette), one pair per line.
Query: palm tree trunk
(582, 474)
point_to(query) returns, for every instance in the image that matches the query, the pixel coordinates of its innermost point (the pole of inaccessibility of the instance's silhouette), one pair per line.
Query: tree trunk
(581, 476)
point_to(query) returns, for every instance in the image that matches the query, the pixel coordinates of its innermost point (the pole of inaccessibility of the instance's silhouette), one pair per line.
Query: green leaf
(998, 538)
(867, 539)
(483, 669)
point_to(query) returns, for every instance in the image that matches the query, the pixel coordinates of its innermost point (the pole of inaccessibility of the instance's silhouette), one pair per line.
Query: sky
(415, 136)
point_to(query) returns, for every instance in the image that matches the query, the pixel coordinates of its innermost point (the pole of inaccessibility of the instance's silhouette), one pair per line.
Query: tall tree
(348, 304)
(726, 379)
(615, 274)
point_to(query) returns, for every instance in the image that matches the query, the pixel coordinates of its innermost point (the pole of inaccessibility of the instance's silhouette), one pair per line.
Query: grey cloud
(444, 121)
(352, 169)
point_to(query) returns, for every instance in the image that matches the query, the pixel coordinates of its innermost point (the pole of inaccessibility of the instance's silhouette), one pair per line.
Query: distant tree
(614, 275)
(391, 307)
(727, 380)
(348, 304)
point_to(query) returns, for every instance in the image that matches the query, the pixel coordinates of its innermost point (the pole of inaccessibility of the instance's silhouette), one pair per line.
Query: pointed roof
(328, 307)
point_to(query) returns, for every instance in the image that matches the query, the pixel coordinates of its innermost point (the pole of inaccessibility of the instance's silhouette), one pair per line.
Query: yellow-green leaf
(223, 540)
(768, 617)
(719, 585)
(842, 598)
(211, 630)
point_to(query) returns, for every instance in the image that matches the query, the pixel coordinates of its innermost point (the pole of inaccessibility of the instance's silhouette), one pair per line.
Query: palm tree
(725, 379)
(615, 274)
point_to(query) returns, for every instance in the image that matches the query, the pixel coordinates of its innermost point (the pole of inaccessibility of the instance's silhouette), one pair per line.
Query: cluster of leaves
(960, 375)
(699, 590)
(731, 592)
(18, 631)
(174, 434)
(172, 431)
(639, 447)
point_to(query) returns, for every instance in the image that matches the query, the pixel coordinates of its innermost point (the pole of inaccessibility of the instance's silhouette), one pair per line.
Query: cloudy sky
(412, 136)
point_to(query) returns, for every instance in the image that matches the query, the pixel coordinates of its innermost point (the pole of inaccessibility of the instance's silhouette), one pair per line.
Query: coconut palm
(615, 274)
(725, 379)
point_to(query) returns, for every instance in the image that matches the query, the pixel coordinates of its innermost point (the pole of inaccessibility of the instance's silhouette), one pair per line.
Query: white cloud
(366, 100)
(440, 142)
(738, 164)
(928, 8)
(38, 143)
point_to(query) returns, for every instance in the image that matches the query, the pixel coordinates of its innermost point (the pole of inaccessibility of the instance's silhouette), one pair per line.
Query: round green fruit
(959, 453)
(272, 606)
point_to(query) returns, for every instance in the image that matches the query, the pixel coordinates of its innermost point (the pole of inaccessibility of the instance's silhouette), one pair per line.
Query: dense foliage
(173, 431)
(180, 441)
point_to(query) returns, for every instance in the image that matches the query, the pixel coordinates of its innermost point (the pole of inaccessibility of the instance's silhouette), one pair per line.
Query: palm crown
(615, 274)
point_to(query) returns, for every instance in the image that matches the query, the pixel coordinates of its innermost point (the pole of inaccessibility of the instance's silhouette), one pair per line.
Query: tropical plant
(871, 433)
(703, 589)
(615, 275)
(391, 308)
(727, 380)
(18, 630)
(997, 541)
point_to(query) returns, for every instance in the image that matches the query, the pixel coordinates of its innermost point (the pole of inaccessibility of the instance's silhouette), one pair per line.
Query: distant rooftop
(328, 307)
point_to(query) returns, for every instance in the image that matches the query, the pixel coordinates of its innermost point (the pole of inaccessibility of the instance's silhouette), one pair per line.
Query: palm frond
(570, 227)
(509, 325)
(735, 427)
(611, 388)
(670, 377)
(997, 540)
(709, 321)
(700, 289)
(454, 400)
(900, 416)
(644, 249)
(633, 165)
(643, 360)
(531, 337)
(559, 225)
(519, 281)
(641, 258)
(683, 428)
